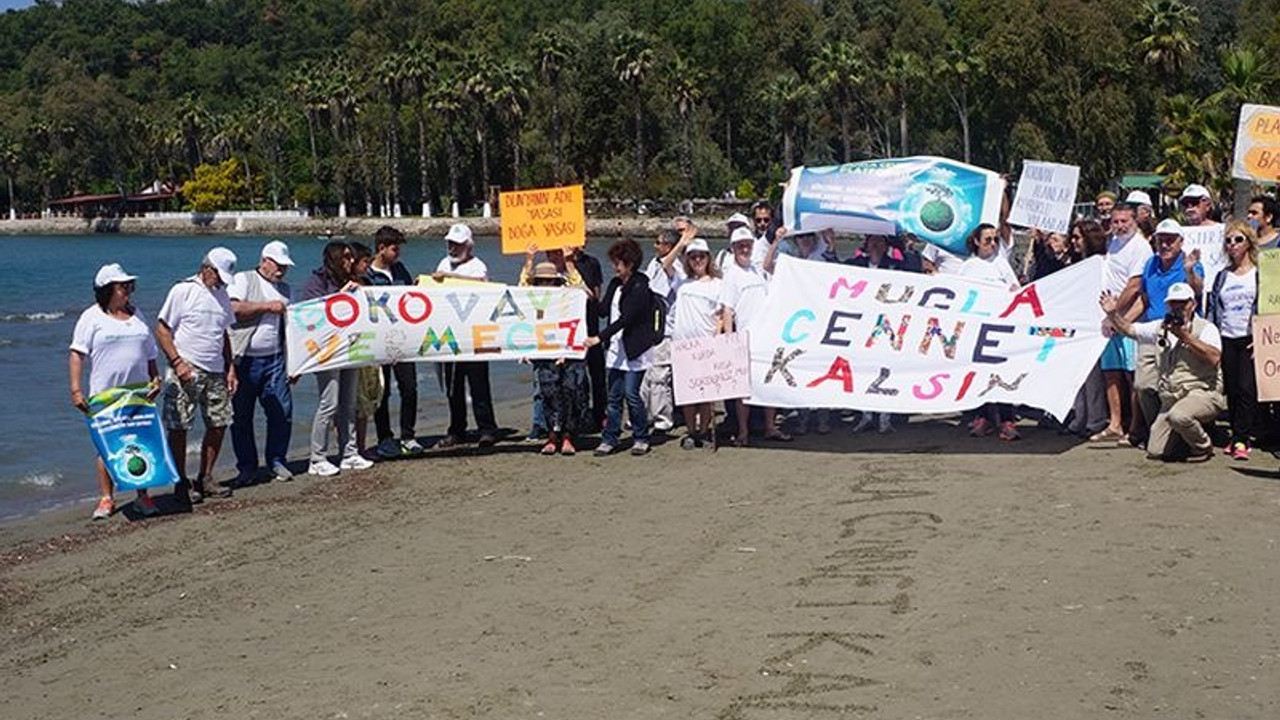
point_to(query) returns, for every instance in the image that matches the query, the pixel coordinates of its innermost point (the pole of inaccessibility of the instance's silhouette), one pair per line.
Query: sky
(15, 4)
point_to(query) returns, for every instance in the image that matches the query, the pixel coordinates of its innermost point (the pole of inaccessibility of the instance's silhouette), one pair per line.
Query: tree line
(376, 104)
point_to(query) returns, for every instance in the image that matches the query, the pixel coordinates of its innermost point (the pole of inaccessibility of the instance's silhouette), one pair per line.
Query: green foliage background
(378, 101)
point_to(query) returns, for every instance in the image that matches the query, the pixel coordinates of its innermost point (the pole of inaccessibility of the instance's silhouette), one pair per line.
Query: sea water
(46, 456)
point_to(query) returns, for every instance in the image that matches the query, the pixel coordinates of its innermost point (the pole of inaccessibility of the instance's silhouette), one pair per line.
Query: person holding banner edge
(1190, 376)
(120, 349)
(386, 269)
(743, 296)
(986, 263)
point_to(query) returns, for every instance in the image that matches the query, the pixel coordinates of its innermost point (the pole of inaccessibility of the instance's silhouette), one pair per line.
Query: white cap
(112, 273)
(224, 261)
(738, 219)
(741, 235)
(1180, 291)
(458, 233)
(697, 245)
(1138, 197)
(1169, 226)
(277, 252)
(1195, 191)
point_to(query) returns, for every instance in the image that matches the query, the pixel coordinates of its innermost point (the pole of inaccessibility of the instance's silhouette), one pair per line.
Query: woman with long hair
(338, 388)
(1089, 414)
(988, 264)
(1233, 301)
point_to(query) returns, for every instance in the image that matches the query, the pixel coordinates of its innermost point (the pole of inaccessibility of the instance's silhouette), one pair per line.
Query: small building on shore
(157, 197)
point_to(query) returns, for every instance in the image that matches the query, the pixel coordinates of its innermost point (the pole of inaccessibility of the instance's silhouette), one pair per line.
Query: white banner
(1046, 196)
(835, 336)
(379, 324)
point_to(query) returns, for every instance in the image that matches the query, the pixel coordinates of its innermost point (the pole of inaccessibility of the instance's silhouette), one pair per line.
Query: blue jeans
(262, 380)
(625, 384)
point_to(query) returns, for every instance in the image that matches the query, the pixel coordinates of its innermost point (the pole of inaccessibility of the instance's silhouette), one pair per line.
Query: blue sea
(46, 456)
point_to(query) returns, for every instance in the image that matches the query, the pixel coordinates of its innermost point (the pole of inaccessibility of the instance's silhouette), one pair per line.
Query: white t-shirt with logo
(1235, 303)
(265, 340)
(473, 268)
(1125, 260)
(995, 270)
(199, 317)
(745, 291)
(696, 310)
(118, 350)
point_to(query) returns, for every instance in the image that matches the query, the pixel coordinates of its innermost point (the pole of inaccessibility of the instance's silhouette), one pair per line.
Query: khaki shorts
(203, 390)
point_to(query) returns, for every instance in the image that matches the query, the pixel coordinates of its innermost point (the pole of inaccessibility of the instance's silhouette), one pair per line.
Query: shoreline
(642, 227)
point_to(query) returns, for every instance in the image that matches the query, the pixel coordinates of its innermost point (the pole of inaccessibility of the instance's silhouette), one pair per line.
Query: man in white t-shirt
(462, 263)
(192, 334)
(743, 295)
(1127, 254)
(258, 299)
(1190, 375)
(656, 388)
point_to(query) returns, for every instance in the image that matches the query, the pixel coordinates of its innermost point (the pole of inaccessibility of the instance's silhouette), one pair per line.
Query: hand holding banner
(550, 218)
(706, 369)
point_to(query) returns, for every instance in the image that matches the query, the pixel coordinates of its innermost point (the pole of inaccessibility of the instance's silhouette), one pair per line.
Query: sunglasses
(128, 286)
(763, 221)
(1237, 240)
(1189, 202)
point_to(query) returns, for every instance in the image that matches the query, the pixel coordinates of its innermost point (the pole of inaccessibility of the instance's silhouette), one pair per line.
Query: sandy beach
(922, 575)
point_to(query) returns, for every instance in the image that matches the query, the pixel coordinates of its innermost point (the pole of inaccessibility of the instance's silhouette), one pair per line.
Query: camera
(1173, 319)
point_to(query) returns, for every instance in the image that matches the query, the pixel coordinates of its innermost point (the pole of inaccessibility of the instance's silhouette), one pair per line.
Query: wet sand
(920, 575)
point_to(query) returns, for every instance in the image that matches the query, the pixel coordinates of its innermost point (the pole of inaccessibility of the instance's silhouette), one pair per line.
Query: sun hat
(1193, 190)
(1138, 197)
(737, 219)
(1169, 226)
(741, 235)
(546, 271)
(111, 273)
(697, 245)
(459, 234)
(1180, 291)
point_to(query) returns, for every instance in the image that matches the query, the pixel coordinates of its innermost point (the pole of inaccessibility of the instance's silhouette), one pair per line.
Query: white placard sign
(1046, 196)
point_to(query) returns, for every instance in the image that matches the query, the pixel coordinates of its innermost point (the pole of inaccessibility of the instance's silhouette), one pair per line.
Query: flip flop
(778, 436)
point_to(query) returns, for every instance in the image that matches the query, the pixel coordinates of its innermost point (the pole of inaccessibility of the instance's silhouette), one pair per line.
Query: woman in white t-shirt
(117, 342)
(697, 314)
(987, 264)
(1233, 302)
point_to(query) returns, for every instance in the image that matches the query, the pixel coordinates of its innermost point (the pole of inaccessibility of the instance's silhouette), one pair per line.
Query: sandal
(778, 436)
(1106, 435)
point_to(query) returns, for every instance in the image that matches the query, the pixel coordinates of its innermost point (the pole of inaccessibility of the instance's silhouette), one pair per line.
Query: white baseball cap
(1138, 197)
(1194, 191)
(277, 252)
(697, 245)
(741, 235)
(1169, 226)
(112, 273)
(738, 219)
(459, 234)
(1180, 291)
(224, 261)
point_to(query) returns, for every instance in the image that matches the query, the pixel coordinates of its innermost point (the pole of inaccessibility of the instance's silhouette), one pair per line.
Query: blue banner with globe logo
(938, 200)
(127, 432)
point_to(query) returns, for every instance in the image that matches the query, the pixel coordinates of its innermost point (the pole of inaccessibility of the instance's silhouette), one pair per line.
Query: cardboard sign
(710, 368)
(1266, 356)
(550, 218)
(1046, 196)
(1208, 240)
(1257, 154)
(1269, 282)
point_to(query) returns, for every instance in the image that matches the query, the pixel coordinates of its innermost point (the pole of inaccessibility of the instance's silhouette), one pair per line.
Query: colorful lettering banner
(938, 200)
(1046, 196)
(127, 433)
(1266, 356)
(834, 336)
(550, 218)
(379, 325)
(1257, 155)
(706, 369)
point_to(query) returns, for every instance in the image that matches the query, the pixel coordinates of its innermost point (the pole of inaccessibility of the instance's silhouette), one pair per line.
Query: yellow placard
(550, 218)
(1257, 152)
(1269, 282)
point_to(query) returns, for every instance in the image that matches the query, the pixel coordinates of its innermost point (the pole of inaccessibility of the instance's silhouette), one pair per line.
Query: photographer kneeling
(1188, 356)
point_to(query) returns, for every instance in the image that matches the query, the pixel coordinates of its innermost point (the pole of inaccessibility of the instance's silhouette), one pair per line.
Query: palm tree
(511, 101)
(10, 155)
(788, 95)
(839, 70)
(446, 98)
(307, 90)
(552, 48)
(958, 67)
(269, 130)
(1167, 44)
(419, 71)
(1245, 74)
(685, 83)
(903, 70)
(393, 77)
(478, 91)
(194, 120)
(632, 61)
(1199, 144)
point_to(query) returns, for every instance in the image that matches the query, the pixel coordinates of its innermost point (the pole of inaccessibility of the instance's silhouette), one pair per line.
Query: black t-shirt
(593, 276)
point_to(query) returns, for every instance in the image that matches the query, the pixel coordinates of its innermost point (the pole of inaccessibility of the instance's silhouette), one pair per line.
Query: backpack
(657, 327)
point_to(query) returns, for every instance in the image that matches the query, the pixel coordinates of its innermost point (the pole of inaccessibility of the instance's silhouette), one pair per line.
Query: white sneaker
(323, 468)
(355, 462)
(412, 447)
(281, 472)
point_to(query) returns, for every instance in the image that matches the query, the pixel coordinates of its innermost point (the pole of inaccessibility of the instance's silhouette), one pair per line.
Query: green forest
(272, 103)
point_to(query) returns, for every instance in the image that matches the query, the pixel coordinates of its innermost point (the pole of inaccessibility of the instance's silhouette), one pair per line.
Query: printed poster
(126, 430)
